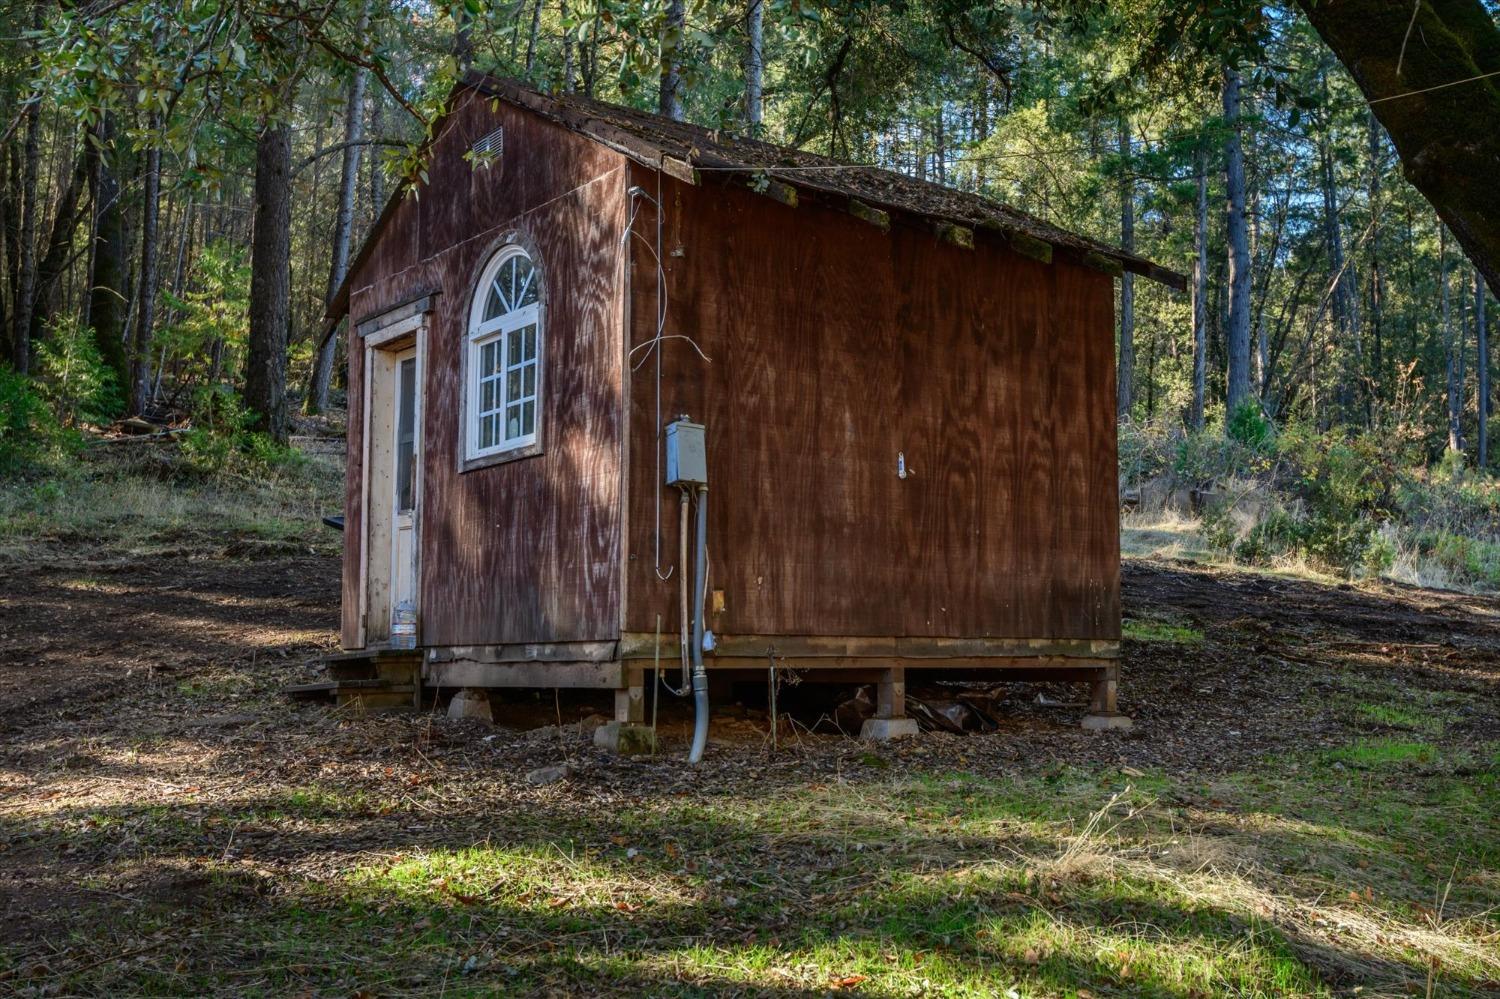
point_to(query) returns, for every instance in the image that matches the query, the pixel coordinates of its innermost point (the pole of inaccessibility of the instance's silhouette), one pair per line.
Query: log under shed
(588, 331)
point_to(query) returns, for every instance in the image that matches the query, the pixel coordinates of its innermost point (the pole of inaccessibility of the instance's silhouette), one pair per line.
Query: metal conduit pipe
(700, 675)
(684, 626)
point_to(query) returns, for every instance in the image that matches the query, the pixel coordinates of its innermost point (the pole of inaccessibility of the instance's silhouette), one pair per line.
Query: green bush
(29, 434)
(1248, 426)
(1380, 554)
(221, 438)
(73, 376)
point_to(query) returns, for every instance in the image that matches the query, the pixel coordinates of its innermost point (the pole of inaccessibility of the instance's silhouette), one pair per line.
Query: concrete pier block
(886, 729)
(471, 702)
(625, 738)
(1104, 721)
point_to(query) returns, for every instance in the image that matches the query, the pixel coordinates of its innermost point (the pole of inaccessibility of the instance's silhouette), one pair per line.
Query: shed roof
(684, 151)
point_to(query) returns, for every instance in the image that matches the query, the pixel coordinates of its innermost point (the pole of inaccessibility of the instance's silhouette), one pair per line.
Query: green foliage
(221, 437)
(1248, 426)
(1352, 504)
(74, 377)
(205, 345)
(30, 436)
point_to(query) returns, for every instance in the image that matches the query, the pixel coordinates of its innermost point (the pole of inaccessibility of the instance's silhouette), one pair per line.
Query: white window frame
(482, 333)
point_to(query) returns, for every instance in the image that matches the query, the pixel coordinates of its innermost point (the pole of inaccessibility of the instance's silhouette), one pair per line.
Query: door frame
(395, 339)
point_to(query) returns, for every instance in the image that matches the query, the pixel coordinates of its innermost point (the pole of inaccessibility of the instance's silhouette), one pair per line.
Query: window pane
(406, 425)
(528, 294)
(505, 404)
(493, 306)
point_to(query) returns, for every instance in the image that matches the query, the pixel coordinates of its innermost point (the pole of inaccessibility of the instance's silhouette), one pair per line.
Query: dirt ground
(129, 691)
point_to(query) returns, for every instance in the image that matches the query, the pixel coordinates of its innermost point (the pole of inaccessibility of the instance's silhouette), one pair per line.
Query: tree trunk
(1450, 350)
(59, 248)
(1377, 279)
(20, 351)
(1125, 377)
(669, 101)
(1345, 297)
(270, 282)
(1446, 127)
(536, 27)
(343, 225)
(377, 171)
(1200, 293)
(1482, 369)
(567, 46)
(754, 63)
(463, 40)
(107, 282)
(145, 308)
(1237, 332)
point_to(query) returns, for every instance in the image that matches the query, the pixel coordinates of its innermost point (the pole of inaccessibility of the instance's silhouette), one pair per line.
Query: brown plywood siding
(526, 551)
(834, 348)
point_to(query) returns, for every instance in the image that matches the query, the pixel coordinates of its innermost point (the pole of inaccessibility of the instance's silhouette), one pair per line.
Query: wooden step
(399, 665)
(367, 693)
(324, 691)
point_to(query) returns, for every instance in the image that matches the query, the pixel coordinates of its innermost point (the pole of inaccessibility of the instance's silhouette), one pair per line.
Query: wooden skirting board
(606, 665)
(552, 673)
(995, 651)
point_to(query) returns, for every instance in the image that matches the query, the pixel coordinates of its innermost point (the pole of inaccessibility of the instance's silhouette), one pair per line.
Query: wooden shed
(890, 405)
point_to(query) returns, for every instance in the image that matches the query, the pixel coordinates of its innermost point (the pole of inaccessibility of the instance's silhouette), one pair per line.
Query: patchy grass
(1289, 879)
(146, 503)
(1372, 753)
(1163, 534)
(1160, 631)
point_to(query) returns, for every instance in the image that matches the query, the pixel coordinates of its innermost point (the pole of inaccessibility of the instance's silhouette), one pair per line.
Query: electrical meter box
(687, 460)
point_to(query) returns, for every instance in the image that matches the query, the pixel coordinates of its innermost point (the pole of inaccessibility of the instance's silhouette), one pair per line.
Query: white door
(406, 453)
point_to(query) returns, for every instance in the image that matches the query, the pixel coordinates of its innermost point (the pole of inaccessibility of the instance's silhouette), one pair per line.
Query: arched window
(505, 335)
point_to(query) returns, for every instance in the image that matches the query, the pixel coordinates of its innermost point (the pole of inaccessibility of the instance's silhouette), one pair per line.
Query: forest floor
(1308, 805)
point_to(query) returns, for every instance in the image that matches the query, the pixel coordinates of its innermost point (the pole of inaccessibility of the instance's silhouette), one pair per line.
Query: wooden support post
(1103, 709)
(628, 734)
(630, 700)
(890, 694)
(890, 721)
(1102, 696)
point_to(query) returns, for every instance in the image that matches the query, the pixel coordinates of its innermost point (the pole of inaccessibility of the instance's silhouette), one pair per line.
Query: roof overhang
(1034, 238)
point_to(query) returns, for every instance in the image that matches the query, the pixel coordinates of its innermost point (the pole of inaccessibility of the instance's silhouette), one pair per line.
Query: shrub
(1248, 426)
(29, 435)
(74, 377)
(221, 437)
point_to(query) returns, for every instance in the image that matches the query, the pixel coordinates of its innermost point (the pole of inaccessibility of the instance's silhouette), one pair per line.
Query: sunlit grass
(1380, 752)
(126, 507)
(1065, 881)
(1160, 631)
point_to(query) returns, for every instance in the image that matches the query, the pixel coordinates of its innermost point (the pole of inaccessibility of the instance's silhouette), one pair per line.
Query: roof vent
(489, 147)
